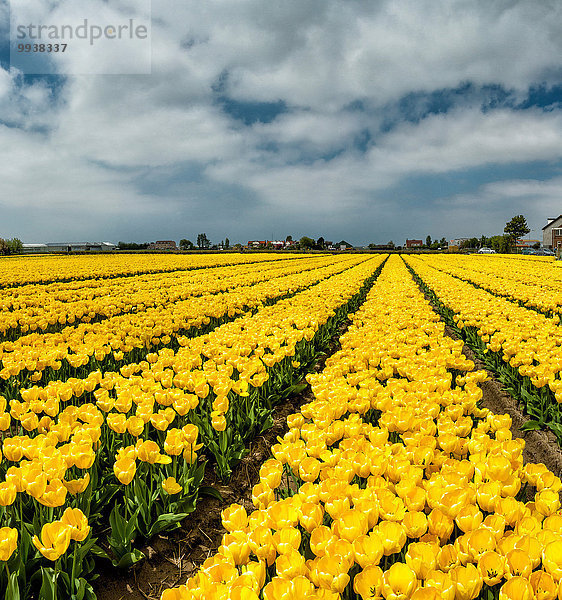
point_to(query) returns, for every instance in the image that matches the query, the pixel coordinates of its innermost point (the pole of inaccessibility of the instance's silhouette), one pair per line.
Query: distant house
(163, 245)
(552, 233)
(521, 244)
(79, 247)
(257, 244)
(414, 243)
(35, 248)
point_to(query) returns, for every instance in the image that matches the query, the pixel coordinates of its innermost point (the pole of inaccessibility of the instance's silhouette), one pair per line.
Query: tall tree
(428, 241)
(306, 242)
(516, 228)
(203, 241)
(226, 244)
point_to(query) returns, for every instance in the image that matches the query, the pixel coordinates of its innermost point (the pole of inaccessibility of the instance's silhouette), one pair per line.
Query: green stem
(55, 577)
(74, 560)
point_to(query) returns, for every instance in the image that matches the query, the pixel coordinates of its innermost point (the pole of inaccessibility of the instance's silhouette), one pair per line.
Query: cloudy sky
(364, 120)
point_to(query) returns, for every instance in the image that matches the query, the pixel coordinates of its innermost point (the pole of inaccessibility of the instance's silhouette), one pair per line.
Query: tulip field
(125, 379)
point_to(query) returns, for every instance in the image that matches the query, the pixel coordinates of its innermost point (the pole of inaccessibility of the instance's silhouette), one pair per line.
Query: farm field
(126, 381)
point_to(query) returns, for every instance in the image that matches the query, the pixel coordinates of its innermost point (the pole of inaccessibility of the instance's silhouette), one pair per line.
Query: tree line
(514, 229)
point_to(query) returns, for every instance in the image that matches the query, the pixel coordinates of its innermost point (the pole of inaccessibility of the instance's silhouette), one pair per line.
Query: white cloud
(318, 57)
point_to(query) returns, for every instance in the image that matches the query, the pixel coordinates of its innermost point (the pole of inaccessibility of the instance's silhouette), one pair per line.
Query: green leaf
(129, 559)
(165, 521)
(13, 589)
(210, 491)
(99, 552)
(80, 585)
(85, 548)
(131, 525)
(531, 425)
(47, 591)
(117, 523)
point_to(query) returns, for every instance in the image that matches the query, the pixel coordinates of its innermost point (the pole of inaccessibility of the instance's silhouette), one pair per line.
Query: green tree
(320, 243)
(391, 244)
(428, 241)
(443, 242)
(186, 244)
(3, 246)
(131, 246)
(203, 241)
(516, 228)
(500, 243)
(226, 244)
(306, 243)
(15, 246)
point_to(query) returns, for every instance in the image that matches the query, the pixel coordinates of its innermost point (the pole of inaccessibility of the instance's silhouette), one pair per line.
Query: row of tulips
(23, 270)
(49, 308)
(392, 482)
(521, 345)
(534, 283)
(124, 449)
(78, 350)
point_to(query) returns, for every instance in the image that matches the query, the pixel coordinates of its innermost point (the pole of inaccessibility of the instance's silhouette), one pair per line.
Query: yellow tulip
(351, 525)
(518, 563)
(468, 581)
(443, 583)
(516, 588)
(8, 542)
(368, 550)
(171, 486)
(368, 583)
(125, 469)
(310, 516)
(492, 567)
(8, 493)
(330, 574)
(544, 586)
(420, 557)
(55, 539)
(78, 523)
(415, 524)
(399, 582)
(392, 535)
(235, 518)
